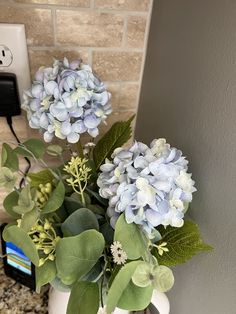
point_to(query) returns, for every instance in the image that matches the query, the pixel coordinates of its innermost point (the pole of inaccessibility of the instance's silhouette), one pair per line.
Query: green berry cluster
(45, 239)
(43, 193)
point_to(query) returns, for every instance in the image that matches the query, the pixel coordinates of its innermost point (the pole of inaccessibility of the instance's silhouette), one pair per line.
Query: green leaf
(45, 274)
(36, 147)
(25, 203)
(7, 178)
(57, 284)
(135, 298)
(55, 200)
(183, 243)
(54, 150)
(108, 232)
(9, 202)
(29, 219)
(119, 284)
(117, 136)
(9, 158)
(71, 204)
(41, 177)
(77, 255)
(163, 278)
(20, 238)
(127, 235)
(84, 298)
(81, 220)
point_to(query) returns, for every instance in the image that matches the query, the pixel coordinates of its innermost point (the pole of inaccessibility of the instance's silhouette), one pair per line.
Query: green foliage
(183, 243)
(119, 284)
(9, 158)
(57, 284)
(31, 148)
(82, 219)
(45, 274)
(41, 177)
(25, 203)
(84, 298)
(7, 178)
(77, 255)
(29, 219)
(21, 239)
(54, 150)
(131, 238)
(9, 202)
(117, 136)
(135, 298)
(71, 204)
(55, 200)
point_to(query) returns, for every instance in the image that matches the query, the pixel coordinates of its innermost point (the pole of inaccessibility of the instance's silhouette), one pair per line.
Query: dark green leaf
(84, 298)
(127, 235)
(41, 177)
(9, 158)
(117, 136)
(77, 255)
(82, 219)
(183, 243)
(36, 147)
(9, 202)
(71, 204)
(21, 239)
(55, 200)
(45, 274)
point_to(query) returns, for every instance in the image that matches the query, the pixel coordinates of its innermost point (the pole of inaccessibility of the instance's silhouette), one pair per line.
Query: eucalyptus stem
(80, 149)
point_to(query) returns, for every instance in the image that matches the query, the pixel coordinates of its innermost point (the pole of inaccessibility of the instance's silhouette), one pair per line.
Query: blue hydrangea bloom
(66, 100)
(150, 185)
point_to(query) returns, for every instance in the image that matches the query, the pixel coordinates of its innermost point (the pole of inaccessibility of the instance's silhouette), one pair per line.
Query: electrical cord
(9, 122)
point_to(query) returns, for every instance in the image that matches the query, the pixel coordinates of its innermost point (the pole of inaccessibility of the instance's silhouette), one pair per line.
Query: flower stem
(80, 149)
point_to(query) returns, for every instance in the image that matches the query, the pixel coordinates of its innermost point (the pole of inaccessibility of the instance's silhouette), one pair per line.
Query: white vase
(58, 301)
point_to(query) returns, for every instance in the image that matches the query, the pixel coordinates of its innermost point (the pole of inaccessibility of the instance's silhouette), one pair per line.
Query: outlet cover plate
(14, 54)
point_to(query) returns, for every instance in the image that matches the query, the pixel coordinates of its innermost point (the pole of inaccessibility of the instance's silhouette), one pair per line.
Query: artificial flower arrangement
(108, 222)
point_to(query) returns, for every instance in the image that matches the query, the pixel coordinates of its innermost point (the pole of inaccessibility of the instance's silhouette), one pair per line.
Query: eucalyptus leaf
(20, 238)
(84, 298)
(135, 298)
(55, 200)
(35, 146)
(54, 150)
(9, 158)
(182, 244)
(127, 235)
(7, 178)
(77, 255)
(41, 177)
(163, 278)
(25, 202)
(82, 219)
(9, 202)
(71, 204)
(119, 284)
(45, 274)
(29, 219)
(57, 284)
(116, 136)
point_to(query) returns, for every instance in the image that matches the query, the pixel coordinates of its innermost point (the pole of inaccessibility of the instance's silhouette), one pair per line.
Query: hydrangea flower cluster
(149, 184)
(66, 100)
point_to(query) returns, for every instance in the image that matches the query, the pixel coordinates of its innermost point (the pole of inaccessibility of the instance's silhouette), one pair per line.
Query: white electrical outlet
(14, 54)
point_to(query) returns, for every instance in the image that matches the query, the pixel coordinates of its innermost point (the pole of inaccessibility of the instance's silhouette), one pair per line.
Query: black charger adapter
(9, 95)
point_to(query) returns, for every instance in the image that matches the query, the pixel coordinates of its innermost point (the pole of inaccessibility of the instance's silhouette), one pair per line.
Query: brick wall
(111, 35)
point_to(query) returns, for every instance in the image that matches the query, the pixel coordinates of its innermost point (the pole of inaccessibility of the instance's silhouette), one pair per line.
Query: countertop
(18, 299)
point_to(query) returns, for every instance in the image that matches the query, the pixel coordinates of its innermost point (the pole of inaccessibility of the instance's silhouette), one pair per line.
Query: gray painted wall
(189, 97)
